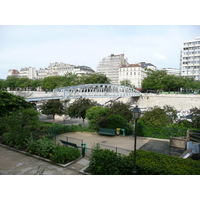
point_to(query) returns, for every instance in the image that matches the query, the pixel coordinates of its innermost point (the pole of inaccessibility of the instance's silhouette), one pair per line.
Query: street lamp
(136, 115)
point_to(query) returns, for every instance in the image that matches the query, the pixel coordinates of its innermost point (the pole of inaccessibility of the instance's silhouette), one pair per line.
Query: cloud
(159, 57)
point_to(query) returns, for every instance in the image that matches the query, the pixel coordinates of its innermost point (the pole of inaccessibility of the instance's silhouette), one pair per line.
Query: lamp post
(136, 115)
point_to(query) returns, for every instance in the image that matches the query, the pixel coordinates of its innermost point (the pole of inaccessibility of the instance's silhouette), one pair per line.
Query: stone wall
(178, 101)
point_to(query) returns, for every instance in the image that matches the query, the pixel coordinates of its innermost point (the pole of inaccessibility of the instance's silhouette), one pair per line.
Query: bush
(17, 141)
(63, 154)
(151, 163)
(43, 147)
(107, 162)
(104, 162)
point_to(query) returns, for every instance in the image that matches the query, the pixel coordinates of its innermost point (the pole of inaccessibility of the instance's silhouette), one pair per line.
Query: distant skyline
(38, 45)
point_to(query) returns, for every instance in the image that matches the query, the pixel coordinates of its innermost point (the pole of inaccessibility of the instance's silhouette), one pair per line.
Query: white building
(61, 69)
(172, 71)
(42, 73)
(110, 67)
(190, 59)
(13, 72)
(28, 72)
(135, 73)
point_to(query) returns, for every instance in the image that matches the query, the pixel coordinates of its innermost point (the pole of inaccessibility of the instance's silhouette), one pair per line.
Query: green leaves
(63, 154)
(107, 162)
(52, 107)
(159, 80)
(79, 107)
(10, 103)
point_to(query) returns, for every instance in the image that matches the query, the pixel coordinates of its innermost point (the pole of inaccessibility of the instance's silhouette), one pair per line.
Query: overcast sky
(37, 46)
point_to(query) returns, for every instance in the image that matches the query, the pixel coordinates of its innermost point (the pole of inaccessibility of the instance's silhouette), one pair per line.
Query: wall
(178, 101)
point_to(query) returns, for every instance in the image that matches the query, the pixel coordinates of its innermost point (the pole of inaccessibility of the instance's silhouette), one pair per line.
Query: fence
(88, 151)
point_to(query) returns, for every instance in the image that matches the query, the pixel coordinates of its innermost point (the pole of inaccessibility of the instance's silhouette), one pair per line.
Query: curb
(40, 158)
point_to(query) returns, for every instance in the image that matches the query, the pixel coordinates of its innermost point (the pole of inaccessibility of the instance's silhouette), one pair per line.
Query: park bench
(106, 131)
(69, 143)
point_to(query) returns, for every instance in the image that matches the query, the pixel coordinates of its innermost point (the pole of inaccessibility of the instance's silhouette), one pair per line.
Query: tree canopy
(159, 80)
(52, 107)
(156, 117)
(10, 103)
(79, 107)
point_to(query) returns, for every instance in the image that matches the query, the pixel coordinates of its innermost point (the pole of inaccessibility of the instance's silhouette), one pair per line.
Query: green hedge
(107, 162)
(161, 132)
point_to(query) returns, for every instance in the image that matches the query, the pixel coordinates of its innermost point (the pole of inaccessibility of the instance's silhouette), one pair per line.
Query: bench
(69, 143)
(106, 131)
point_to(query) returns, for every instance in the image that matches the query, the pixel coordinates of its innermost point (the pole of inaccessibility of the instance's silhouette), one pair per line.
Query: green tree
(10, 103)
(23, 83)
(94, 78)
(95, 115)
(52, 107)
(10, 82)
(121, 109)
(35, 83)
(79, 107)
(195, 115)
(156, 117)
(2, 84)
(19, 126)
(127, 82)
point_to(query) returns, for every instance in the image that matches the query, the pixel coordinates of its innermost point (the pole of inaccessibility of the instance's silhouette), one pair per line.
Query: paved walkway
(15, 163)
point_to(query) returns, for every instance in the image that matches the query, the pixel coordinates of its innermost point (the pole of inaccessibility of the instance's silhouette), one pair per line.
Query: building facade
(110, 67)
(172, 71)
(190, 59)
(135, 73)
(28, 72)
(13, 72)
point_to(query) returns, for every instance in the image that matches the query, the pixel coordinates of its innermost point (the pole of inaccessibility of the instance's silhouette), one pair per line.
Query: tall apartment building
(110, 67)
(190, 59)
(28, 72)
(135, 73)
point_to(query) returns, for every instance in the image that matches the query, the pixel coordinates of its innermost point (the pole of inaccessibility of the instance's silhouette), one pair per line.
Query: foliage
(121, 109)
(159, 80)
(17, 141)
(10, 103)
(195, 115)
(94, 78)
(42, 147)
(22, 121)
(52, 107)
(104, 162)
(10, 82)
(79, 107)
(156, 117)
(160, 132)
(95, 115)
(151, 163)
(18, 126)
(127, 82)
(63, 154)
(35, 83)
(116, 121)
(107, 162)
(23, 82)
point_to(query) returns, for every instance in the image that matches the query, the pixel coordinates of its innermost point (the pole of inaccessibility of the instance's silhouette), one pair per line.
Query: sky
(38, 45)
(83, 33)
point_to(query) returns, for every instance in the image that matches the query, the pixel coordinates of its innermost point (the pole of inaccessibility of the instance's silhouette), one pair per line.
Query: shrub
(43, 147)
(63, 154)
(107, 162)
(17, 141)
(151, 163)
